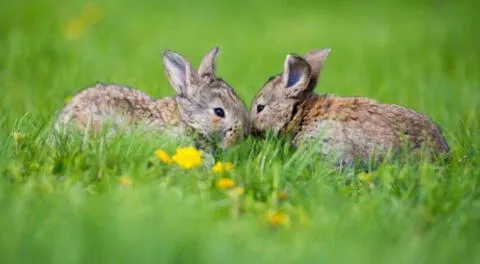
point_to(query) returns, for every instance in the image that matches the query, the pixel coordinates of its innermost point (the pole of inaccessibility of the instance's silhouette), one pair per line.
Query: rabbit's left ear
(296, 75)
(181, 75)
(208, 64)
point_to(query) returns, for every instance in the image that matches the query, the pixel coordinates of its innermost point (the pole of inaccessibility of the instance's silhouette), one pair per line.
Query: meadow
(118, 202)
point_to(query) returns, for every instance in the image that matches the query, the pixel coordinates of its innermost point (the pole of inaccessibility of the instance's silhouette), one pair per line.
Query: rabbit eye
(219, 112)
(260, 108)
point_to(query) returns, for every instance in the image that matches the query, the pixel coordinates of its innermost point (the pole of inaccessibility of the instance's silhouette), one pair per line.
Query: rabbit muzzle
(234, 134)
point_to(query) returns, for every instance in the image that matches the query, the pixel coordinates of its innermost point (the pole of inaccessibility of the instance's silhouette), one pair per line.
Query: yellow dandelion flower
(282, 196)
(239, 191)
(225, 183)
(188, 157)
(365, 177)
(222, 167)
(17, 136)
(163, 156)
(125, 181)
(277, 218)
(91, 13)
(77, 26)
(68, 99)
(34, 166)
(75, 29)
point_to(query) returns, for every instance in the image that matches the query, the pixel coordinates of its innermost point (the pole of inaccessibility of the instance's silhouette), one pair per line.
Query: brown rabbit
(203, 103)
(351, 128)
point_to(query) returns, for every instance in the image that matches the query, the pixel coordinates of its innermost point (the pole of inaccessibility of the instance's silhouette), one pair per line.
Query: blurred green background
(423, 54)
(66, 206)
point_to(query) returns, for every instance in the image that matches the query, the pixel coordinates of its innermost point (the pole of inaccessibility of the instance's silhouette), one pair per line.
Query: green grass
(65, 204)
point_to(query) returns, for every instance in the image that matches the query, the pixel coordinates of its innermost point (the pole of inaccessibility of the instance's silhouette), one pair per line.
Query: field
(116, 202)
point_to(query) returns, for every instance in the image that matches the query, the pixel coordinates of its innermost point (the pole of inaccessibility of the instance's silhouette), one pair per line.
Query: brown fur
(349, 128)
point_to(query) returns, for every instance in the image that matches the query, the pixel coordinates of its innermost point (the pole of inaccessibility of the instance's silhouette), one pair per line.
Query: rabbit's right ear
(316, 60)
(181, 75)
(207, 66)
(296, 75)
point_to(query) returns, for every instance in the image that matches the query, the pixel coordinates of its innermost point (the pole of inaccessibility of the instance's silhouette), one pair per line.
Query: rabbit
(203, 105)
(350, 130)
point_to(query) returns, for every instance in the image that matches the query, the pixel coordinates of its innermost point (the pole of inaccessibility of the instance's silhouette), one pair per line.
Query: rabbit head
(206, 103)
(274, 106)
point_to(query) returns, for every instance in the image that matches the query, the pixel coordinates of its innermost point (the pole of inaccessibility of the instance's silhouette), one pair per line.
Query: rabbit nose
(233, 130)
(233, 134)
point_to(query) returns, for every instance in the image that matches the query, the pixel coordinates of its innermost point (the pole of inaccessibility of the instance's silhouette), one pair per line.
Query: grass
(67, 204)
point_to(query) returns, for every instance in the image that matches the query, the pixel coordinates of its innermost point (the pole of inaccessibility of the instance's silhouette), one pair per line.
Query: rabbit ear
(296, 75)
(207, 67)
(316, 60)
(181, 75)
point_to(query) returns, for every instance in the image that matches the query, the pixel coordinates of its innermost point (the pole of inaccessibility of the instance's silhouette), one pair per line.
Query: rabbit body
(120, 107)
(348, 128)
(357, 128)
(204, 105)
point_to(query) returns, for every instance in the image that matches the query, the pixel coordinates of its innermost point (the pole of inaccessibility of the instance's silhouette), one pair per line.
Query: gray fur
(190, 111)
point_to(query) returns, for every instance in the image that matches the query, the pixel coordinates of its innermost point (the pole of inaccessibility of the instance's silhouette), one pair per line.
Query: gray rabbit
(203, 105)
(348, 129)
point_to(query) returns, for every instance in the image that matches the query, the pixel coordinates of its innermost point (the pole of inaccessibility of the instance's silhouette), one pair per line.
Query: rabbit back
(358, 127)
(118, 105)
